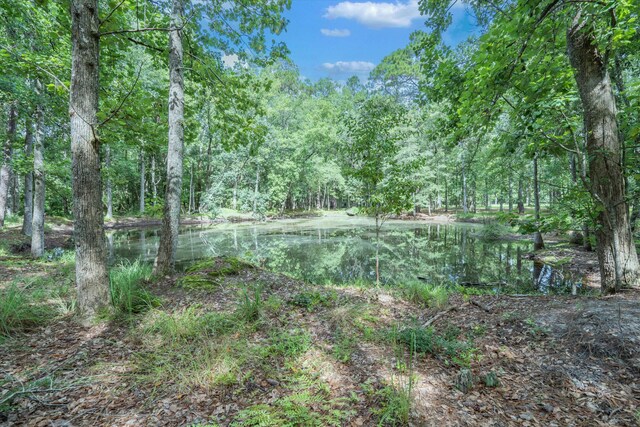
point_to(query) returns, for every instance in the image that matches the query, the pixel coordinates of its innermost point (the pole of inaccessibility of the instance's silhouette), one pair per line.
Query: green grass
(311, 300)
(19, 312)
(128, 296)
(434, 296)
(446, 346)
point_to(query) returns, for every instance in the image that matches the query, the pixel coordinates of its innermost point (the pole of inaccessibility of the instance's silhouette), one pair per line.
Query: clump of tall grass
(434, 296)
(128, 296)
(19, 312)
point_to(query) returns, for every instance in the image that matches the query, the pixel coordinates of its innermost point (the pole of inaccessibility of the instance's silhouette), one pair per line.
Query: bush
(492, 231)
(127, 295)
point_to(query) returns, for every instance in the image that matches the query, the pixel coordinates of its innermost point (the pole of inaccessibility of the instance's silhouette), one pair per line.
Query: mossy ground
(255, 348)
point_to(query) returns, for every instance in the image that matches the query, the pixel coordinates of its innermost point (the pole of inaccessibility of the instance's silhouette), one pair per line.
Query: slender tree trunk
(92, 279)
(616, 250)
(14, 193)
(538, 243)
(142, 183)
(154, 183)
(510, 193)
(446, 196)
(520, 196)
(465, 208)
(191, 193)
(165, 261)
(27, 217)
(37, 227)
(7, 154)
(108, 188)
(255, 190)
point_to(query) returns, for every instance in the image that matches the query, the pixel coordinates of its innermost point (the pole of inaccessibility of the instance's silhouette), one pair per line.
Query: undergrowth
(19, 312)
(128, 296)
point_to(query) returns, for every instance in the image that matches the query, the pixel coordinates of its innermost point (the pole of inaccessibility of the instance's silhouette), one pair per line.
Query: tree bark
(7, 154)
(37, 222)
(538, 243)
(615, 247)
(109, 189)
(27, 217)
(92, 278)
(165, 261)
(142, 183)
(520, 196)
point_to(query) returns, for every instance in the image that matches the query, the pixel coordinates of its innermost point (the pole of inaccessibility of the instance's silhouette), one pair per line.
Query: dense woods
(115, 109)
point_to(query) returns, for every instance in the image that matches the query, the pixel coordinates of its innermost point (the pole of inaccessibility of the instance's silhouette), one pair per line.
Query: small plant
(290, 343)
(430, 295)
(127, 295)
(18, 312)
(491, 379)
(394, 406)
(464, 380)
(310, 300)
(344, 347)
(249, 308)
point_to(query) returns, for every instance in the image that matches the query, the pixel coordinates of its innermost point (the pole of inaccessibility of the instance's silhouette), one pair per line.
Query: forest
(197, 230)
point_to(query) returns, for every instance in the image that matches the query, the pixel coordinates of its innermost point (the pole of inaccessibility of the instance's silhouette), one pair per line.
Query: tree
(165, 261)
(92, 278)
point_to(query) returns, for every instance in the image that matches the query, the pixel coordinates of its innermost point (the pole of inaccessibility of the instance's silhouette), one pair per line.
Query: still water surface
(343, 250)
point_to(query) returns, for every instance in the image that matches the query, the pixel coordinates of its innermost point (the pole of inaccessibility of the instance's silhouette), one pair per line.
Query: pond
(342, 250)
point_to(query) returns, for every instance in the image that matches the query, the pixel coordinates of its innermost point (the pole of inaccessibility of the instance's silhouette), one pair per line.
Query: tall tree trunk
(27, 217)
(7, 154)
(510, 193)
(191, 190)
(109, 189)
(143, 183)
(92, 278)
(616, 250)
(520, 196)
(538, 243)
(154, 183)
(166, 259)
(465, 208)
(37, 227)
(256, 188)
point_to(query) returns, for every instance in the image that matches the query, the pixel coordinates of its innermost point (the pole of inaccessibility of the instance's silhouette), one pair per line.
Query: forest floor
(229, 344)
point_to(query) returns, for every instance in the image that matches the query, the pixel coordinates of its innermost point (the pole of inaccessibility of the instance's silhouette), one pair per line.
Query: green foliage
(128, 296)
(492, 231)
(250, 306)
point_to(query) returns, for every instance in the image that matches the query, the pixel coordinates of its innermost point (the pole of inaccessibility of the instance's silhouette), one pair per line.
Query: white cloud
(229, 61)
(335, 33)
(376, 15)
(349, 67)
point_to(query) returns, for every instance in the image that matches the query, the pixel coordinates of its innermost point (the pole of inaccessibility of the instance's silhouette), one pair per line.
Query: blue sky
(334, 38)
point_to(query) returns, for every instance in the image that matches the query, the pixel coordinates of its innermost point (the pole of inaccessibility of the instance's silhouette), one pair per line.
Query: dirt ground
(559, 360)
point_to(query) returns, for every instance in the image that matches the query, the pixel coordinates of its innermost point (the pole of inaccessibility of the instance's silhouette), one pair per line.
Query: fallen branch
(442, 313)
(482, 306)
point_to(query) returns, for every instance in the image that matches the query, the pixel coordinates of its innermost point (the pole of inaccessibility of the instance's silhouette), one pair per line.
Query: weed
(464, 380)
(250, 306)
(425, 340)
(535, 329)
(18, 312)
(127, 295)
(310, 300)
(289, 343)
(429, 295)
(394, 406)
(344, 347)
(491, 379)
